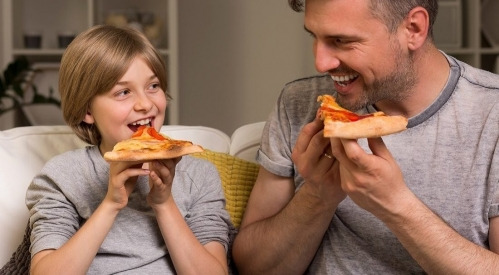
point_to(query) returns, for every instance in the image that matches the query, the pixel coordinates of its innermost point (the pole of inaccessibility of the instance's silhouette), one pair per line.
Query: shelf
(459, 31)
(29, 52)
(470, 51)
(494, 50)
(58, 52)
(156, 18)
(457, 50)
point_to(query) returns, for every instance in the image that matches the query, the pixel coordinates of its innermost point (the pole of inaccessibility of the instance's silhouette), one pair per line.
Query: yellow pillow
(237, 176)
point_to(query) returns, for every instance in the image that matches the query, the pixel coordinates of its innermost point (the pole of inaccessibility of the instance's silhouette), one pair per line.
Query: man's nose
(326, 59)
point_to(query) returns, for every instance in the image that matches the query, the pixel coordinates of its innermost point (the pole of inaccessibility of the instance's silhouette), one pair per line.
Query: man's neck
(433, 70)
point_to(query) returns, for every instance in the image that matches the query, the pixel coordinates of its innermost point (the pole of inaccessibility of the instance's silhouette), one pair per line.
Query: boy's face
(136, 99)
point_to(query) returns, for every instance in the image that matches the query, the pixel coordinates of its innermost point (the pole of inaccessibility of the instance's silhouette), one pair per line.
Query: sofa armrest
(245, 141)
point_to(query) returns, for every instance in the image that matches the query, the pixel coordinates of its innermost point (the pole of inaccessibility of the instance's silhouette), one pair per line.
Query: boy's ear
(417, 25)
(89, 118)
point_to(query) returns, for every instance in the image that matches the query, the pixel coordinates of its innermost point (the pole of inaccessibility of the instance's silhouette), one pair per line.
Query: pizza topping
(146, 138)
(147, 134)
(331, 110)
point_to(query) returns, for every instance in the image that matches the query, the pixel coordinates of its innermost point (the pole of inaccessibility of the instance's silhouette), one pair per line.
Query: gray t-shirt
(449, 157)
(72, 185)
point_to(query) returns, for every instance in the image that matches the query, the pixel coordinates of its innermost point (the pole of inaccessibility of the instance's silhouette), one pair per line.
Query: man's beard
(394, 87)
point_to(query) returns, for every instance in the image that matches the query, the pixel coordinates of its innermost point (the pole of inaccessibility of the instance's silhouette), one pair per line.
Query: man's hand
(314, 161)
(373, 181)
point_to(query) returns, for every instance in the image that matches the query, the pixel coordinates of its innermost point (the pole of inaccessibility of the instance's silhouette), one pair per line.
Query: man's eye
(340, 41)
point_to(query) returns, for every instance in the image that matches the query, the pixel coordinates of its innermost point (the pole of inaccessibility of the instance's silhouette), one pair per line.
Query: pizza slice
(147, 144)
(342, 123)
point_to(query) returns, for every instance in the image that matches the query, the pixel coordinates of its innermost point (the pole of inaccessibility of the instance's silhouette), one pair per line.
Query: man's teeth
(342, 80)
(142, 122)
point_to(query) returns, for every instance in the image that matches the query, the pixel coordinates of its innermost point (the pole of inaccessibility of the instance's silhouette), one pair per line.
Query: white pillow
(23, 152)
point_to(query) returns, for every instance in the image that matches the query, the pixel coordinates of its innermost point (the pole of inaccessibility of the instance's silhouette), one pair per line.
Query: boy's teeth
(142, 122)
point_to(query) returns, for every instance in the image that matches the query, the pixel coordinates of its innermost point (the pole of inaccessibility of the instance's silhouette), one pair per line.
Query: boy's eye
(154, 86)
(122, 93)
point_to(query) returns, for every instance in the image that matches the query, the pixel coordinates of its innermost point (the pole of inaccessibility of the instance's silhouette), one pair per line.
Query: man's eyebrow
(331, 36)
(307, 30)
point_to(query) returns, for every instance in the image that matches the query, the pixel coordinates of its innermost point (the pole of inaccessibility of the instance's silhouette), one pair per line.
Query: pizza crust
(369, 127)
(147, 154)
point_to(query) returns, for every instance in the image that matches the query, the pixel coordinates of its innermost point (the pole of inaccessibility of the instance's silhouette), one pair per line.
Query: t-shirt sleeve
(205, 209)
(53, 219)
(494, 181)
(275, 148)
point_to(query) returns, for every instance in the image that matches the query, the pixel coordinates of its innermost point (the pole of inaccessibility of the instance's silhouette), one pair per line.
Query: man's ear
(89, 118)
(417, 25)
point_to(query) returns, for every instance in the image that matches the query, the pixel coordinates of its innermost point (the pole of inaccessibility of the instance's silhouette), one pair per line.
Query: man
(423, 200)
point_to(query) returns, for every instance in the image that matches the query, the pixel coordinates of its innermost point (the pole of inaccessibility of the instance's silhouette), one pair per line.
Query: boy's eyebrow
(125, 82)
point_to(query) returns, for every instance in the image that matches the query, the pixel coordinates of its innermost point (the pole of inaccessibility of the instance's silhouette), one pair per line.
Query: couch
(24, 150)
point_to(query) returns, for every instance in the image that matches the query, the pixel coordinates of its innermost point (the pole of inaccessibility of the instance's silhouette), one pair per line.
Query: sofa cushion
(23, 152)
(245, 141)
(238, 177)
(20, 261)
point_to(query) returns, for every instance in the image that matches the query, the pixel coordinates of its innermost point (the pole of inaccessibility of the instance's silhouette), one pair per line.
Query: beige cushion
(238, 177)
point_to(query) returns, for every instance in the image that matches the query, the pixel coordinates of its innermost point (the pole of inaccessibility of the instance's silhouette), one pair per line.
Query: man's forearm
(436, 246)
(286, 242)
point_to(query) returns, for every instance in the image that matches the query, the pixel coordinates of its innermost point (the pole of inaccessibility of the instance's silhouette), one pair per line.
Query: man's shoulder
(479, 77)
(314, 82)
(307, 88)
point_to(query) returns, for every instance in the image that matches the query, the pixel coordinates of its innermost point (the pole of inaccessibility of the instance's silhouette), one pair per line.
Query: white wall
(235, 57)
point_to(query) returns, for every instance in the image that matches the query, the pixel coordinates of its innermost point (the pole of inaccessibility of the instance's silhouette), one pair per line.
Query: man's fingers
(378, 147)
(307, 133)
(337, 149)
(348, 152)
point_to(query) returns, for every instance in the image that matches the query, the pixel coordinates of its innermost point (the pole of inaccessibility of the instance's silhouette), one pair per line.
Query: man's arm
(494, 234)
(375, 183)
(281, 231)
(437, 247)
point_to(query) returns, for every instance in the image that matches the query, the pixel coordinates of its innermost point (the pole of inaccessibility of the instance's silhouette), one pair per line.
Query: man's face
(367, 62)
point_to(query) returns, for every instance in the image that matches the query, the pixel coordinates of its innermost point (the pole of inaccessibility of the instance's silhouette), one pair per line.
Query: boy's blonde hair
(93, 63)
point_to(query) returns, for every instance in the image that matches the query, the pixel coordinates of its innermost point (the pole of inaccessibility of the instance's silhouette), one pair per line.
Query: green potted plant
(16, 81)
